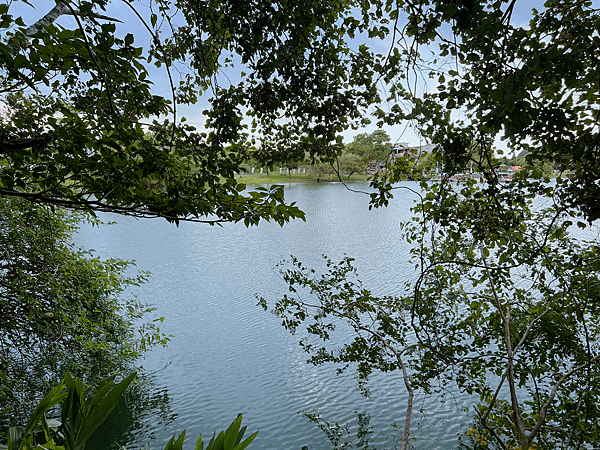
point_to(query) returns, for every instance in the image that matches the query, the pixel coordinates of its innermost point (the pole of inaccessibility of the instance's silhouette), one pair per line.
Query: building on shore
(402, 149)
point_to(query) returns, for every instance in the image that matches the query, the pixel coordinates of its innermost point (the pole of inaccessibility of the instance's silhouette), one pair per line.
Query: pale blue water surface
(228, 356)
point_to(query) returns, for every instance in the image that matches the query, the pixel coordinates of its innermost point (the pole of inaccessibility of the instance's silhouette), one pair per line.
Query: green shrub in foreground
(81, 415)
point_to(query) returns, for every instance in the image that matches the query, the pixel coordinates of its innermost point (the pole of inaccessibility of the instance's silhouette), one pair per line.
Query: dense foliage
(79, 129)
(61, 309)
(289, 78)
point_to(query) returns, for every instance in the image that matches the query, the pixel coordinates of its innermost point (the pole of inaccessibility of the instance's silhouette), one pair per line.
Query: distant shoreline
(254, 179)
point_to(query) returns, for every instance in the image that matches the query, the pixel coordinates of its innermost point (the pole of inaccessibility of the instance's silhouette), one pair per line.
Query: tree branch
(60, 9)
(509, 352)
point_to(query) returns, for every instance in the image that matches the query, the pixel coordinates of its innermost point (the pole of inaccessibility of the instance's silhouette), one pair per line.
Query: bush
(60, 308)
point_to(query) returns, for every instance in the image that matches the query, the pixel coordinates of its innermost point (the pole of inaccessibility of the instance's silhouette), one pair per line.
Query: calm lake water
(228, 356)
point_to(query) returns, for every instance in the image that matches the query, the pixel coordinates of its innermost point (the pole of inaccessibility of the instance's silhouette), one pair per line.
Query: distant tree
(325, 171)
(373, 148)
(350, 163)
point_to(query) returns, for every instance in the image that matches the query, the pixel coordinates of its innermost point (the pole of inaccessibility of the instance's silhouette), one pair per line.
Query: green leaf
(231, 434)
(15, 436)
(101, 406)
(199, 444)
(176, 444)
(53, 398)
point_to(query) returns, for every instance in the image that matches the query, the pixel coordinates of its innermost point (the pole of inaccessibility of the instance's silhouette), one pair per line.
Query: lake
(228, 355)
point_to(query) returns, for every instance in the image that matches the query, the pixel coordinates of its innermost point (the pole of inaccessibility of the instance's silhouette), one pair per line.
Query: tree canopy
(373, 148)
(87, 129)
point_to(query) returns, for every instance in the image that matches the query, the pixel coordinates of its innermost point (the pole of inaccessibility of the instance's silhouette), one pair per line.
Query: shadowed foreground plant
(81, 415)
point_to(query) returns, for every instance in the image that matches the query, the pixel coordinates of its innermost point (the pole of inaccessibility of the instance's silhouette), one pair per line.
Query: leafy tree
(80, 104)
(350, 163)
(60, 308)
(379, 325)
(373, 148)
(506, 314)
(503, 304)
(78, 130)
(325, 171)
(345, 164)
(274, 157)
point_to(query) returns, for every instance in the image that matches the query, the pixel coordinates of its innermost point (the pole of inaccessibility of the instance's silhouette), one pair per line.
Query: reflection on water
(228, 356)
(355, 435)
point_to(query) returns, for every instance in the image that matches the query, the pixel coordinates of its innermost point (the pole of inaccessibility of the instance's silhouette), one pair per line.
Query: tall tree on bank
(374, 148)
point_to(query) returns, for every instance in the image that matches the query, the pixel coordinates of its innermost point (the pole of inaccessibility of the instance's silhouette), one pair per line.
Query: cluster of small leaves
(336, 297)
(340, 435)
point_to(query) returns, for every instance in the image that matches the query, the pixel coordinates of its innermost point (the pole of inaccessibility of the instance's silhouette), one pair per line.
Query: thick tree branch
(61, 8)
(10, 145)
(505, 316)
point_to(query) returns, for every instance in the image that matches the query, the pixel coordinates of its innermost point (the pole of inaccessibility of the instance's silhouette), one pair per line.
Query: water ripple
(228, 356)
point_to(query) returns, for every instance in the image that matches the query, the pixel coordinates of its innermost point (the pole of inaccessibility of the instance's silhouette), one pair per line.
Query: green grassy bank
(258, 178)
